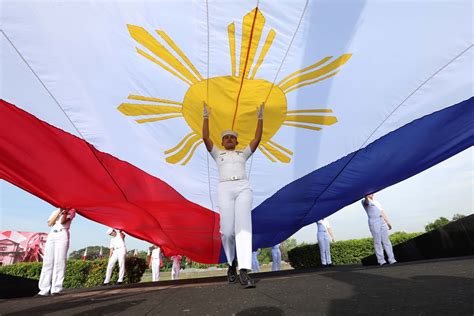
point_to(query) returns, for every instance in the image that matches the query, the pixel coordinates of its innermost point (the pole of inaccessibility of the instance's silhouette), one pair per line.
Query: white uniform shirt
(57, 225)
(155, 254)
(373, 209)
(323, 225)
(231, 163)
(117, 242)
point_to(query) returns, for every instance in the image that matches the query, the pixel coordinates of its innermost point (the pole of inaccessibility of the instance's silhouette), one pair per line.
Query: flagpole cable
(90, 146)
(279, 68)
(207, 101)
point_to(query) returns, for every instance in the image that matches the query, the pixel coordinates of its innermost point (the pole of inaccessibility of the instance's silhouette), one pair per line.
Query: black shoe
(119, 283)
(245, 280)
(105, 284)
(232, 272)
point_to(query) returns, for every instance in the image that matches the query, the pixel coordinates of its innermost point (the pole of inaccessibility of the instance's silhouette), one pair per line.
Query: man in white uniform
(234, 197)
(276, 258)
(155, 263)
(55, 252)
(117, 253)
(379, 226)
(176, 267)
(325, 236)
(255, 263)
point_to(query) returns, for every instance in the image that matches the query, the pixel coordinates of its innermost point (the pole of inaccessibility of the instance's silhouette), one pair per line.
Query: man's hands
(205, 111)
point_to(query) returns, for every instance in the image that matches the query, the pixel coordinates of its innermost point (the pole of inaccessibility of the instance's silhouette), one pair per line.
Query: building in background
(21, 246)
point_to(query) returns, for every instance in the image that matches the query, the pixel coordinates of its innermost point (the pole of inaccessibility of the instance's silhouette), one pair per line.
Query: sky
(443, 190)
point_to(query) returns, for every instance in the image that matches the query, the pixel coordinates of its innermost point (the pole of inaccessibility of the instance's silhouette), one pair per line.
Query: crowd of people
(235, 205)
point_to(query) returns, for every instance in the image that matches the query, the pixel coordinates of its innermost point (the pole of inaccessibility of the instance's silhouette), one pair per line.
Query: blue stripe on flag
(392, 158)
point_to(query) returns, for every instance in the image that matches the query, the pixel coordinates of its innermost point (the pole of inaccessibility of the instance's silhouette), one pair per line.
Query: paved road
(435, 287)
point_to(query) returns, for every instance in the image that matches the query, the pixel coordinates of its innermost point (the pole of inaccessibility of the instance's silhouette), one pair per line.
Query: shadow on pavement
(426, 294)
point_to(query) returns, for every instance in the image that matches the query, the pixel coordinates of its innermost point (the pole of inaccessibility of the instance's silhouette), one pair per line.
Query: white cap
(229, 132)
(109, 231)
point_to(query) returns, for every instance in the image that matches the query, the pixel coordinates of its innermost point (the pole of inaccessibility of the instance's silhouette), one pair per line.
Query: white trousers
(276, 260)
(175, 272)
(235, 207)
(255, 263)
(117, 255)
(324, 243)
(54, 262)
(155, 269)
(379, 230)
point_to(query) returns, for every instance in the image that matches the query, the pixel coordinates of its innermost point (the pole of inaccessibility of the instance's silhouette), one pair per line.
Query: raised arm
(55, 217)
(259, 131)
(205, 128)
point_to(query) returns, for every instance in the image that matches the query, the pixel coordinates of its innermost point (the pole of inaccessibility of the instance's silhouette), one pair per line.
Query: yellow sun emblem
(232, 106)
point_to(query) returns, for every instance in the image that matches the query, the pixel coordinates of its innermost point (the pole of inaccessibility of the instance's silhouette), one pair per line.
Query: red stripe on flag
(66, 171)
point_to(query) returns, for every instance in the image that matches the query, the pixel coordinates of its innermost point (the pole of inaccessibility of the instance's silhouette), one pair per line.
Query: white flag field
(102, 106)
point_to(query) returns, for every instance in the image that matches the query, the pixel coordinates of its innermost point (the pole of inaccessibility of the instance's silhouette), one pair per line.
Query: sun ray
(184, 150)
(341, 60)
(135, 109)
(314, 128)
(142, 98)
(277, 153)
(265, 152)
(268, 43)
(311, 119)
(160, 118)
(231, 34)
(310, 111)
(175, 148)
(175, 47)
(289, 152)
(307, 83)
(147, 40)
(252, 27)
(319, 63)
(195, 146)
(159, 63)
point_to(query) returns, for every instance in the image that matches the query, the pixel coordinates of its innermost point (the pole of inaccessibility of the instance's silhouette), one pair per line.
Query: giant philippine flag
(102, 106)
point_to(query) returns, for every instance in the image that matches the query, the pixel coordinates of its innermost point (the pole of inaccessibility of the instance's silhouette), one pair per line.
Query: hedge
(342, 252)
(81, 274)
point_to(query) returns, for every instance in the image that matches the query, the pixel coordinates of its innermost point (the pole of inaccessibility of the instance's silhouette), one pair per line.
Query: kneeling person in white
(379, 227)
(325, 236)
(234, 197)
(117, 253)
(55, 252)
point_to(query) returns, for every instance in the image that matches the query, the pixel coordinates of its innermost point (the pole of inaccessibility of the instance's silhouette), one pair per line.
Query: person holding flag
(325, 236)
(234, 197)
(176, 267)
(154, 263)
(55, 252)
(117, 253)
(276, 258)
(379, 226)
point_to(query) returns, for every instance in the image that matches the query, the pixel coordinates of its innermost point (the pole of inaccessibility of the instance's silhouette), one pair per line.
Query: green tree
(457, 216)
(286, 246)
(440, 222)
(92, 253)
